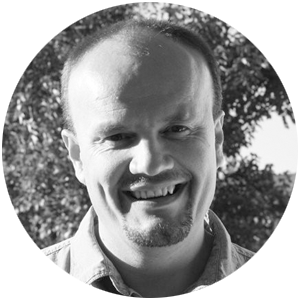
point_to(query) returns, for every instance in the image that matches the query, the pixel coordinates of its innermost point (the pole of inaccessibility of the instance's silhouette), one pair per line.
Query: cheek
(199, 160)
(197, 155)
(104, 169)
(102, 174)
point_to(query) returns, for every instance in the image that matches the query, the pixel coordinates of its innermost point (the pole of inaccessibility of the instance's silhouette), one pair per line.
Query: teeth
(158, 193)
(137, 195)
(152, 194)
(165, 191)
(171, 189)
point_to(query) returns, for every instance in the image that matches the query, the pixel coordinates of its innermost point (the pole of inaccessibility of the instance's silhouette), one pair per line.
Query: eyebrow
(110, 128)
(179, 116)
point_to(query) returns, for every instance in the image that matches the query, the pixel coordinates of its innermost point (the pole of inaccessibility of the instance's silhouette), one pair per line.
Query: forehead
(141, 74)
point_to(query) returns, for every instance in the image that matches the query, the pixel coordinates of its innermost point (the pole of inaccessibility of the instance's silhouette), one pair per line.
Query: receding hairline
(130, 31)
(131, 35)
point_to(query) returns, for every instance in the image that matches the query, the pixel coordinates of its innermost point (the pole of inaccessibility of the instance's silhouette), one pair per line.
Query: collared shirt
(82, 257)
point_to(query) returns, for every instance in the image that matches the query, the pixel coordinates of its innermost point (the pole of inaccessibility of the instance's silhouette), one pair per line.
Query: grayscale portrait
(122, 150)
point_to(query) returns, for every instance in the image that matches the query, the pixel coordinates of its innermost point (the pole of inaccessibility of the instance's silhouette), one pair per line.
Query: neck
(161, 271)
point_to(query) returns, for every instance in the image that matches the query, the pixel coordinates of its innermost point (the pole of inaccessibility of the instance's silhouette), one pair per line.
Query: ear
(219, 135)
(72, 145)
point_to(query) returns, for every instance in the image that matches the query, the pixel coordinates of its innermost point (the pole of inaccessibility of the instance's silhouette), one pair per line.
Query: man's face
(145, 138)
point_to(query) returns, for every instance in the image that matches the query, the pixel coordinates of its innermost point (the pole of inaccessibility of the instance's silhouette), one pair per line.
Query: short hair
(185, 36)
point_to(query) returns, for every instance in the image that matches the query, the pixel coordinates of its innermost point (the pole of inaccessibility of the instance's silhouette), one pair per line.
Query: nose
(150, 158)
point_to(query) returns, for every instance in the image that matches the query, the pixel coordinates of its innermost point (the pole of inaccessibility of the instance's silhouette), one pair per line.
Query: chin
(160, 232)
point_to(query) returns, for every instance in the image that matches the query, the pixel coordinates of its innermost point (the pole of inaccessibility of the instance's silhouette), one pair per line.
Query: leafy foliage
(251, 201)
(50, 202)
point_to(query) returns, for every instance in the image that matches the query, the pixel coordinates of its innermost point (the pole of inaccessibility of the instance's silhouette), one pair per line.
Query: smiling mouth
(155, 193)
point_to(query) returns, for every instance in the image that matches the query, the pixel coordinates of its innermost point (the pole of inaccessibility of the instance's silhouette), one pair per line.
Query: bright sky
(275, 144)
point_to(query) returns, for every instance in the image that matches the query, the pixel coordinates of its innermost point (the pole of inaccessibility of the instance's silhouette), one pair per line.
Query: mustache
(142, 179)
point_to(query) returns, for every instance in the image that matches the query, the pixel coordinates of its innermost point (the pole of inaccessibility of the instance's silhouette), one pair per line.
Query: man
(142, 103)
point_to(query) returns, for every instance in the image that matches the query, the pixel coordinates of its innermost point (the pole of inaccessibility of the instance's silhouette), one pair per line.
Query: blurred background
(251, 195)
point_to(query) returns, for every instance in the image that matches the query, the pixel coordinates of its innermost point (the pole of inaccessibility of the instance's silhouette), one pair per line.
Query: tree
(50, 202)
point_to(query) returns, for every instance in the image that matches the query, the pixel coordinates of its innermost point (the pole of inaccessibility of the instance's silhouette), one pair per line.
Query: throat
(178, 281)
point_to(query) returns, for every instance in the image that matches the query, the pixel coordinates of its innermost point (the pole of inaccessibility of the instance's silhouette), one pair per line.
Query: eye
(177, 128)
(115, 141)
(119, 140)
(177, 131)
(116, 137)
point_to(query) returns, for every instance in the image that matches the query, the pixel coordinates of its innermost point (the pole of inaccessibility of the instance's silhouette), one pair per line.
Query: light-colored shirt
(82, 257)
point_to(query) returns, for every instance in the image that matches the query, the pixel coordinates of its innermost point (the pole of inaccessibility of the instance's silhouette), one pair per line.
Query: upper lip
(146, 187)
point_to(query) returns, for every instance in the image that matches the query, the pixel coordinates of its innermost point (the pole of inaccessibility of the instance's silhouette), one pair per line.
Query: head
(145, 130)
(170, 31)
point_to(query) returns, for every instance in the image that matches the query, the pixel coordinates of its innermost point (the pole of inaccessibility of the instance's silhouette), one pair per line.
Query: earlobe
(219, 135)
(73, 148)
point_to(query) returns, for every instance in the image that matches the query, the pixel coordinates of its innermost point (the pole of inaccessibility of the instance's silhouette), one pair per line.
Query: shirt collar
(89, 263)
(88, 260)
(220, 263)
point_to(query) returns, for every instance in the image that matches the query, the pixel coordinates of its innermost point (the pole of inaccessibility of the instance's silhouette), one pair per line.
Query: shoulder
(60, 254)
